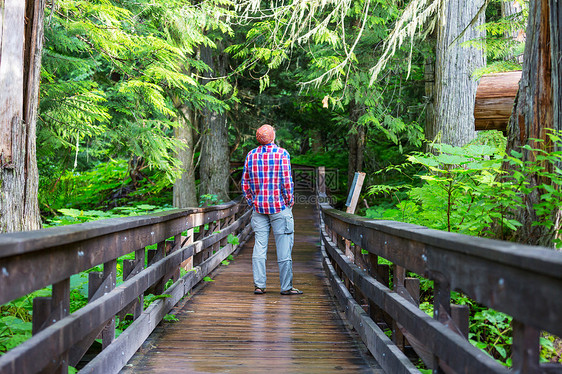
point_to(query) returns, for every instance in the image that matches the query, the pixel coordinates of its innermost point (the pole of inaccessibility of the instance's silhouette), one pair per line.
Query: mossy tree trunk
(215, 164)
(452, 119)
(185, 193)
(21, 44)
(537, 108)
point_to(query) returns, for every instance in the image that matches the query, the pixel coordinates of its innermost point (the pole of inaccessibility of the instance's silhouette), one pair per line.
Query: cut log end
(495, 97)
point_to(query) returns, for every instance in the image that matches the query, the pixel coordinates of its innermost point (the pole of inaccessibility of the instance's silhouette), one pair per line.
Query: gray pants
(284, 231)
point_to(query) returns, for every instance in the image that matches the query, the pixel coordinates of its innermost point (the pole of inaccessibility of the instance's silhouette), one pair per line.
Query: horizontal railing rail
(30, 261)
(522, 281)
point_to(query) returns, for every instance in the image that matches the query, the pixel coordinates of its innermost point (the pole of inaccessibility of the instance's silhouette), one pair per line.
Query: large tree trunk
(452, 121)
(185, 193)
(538, 106)
(215, 163)
(21, 43)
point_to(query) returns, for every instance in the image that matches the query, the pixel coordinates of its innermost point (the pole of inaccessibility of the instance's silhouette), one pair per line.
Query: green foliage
(459, 194)
(504, 42)
(491, 331)
(113, 74)
(537, 170)
(170, 318)
(232, 239)
(149, 299)
(465, 189)
(13, 331)
(209, 199)
(76, 197)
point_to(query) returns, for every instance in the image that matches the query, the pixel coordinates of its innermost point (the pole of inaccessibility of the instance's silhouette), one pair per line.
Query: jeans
(284, 231)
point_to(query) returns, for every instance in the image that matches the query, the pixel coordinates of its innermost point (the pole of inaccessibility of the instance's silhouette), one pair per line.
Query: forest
(132, 107)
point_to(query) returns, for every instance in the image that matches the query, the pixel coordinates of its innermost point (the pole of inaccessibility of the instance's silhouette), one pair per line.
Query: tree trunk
(455, 90)
(538, 106)
(316, 140)
(20, 60)
(356, 145)
(509, 8)
(185, 194)
(215, 163)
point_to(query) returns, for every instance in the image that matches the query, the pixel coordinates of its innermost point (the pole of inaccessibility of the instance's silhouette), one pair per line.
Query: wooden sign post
(351, 204)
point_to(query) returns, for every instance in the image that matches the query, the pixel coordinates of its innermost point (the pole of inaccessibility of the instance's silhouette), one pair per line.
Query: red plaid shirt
(266, 181)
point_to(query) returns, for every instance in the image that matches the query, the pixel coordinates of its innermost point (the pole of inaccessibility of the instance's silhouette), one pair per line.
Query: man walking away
(268, 187)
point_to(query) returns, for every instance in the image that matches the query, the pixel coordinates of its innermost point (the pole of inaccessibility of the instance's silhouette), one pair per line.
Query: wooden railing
(30, 261)
(522, 281)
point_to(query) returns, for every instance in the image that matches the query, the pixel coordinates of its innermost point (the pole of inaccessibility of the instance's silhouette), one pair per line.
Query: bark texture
(538, 106)
(21, 43)
(452, 121)
(185, 193)
(356, 145)
(215, 163)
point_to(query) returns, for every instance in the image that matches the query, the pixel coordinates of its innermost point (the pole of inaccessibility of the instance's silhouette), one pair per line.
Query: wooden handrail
(60, 252)
(33, 260)
(522, 281)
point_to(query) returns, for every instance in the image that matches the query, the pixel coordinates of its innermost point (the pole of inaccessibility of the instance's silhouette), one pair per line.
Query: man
(268, 187)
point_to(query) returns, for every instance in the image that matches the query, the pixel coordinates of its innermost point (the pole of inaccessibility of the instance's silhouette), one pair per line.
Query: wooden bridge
(340, 324)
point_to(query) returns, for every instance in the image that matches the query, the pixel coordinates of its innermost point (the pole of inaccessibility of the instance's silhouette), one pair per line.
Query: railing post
(130, 269)
(175, 246)
(461, 315)
(188, 264)
(321, 181)
(139, 266)
(525, 349)
(47, 311)
(216, 246)
(399, 276)
(227, 221)
(441, 308)
(374, 311)
(110, 273)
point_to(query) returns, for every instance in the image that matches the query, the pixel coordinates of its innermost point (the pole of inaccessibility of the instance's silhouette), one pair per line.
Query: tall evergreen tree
(454, 88)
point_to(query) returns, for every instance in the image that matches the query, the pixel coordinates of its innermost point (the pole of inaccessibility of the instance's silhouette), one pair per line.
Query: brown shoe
(259, 291)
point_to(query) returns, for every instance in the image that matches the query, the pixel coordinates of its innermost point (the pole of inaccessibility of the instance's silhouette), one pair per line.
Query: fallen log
(495, 97)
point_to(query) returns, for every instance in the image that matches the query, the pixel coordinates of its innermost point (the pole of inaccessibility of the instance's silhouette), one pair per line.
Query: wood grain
(494, 101)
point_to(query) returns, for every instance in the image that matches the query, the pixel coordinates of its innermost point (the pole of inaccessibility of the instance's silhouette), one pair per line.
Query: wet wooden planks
(225, 328)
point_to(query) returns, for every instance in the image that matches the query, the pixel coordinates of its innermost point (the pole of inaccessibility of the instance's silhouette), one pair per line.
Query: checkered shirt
(266, 181)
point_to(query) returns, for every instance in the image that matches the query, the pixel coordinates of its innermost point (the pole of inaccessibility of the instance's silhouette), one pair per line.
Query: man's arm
(287, 180)
(246, 189)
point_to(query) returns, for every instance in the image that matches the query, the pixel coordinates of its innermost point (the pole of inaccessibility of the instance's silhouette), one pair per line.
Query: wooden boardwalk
(225, 328)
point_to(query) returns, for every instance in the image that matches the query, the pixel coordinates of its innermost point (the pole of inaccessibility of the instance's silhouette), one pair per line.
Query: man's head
(265, 134)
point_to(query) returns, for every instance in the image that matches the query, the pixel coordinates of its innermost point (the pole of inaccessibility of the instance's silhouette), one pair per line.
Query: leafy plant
(209, 199)
(460, 192)
(232, 239)
(149, 299)
(539, 172)
(170, 318)
(491, 331)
